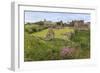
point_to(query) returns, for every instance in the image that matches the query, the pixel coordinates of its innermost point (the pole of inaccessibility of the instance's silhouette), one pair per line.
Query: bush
(31, 28)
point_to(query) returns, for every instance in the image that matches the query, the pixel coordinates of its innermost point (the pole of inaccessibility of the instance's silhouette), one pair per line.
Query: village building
(80, 24)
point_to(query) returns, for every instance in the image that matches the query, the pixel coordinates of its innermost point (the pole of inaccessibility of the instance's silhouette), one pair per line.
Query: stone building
(80, 25)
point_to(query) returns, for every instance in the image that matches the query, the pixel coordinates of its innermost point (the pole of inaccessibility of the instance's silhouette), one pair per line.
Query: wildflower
(66, 52)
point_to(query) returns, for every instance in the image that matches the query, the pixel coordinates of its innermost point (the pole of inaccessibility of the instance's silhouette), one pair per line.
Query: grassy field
(36, 48)
(58, 32)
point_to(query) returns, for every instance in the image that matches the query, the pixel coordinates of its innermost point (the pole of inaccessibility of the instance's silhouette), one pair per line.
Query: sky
(33, 16)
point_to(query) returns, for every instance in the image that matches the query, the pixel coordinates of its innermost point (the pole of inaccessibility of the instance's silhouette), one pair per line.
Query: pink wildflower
(66, 52)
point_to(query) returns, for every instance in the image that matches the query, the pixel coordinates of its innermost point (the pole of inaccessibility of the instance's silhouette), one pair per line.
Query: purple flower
(66, 52)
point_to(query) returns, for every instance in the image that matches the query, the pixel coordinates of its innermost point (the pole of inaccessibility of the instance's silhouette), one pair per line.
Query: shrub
(31, 28)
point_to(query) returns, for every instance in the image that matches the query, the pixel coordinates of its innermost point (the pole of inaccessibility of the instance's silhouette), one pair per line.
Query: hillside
(59, 33)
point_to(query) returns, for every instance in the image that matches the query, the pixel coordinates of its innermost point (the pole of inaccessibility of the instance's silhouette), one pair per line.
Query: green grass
(39, 49)
(36, 48)
(58, 32)
(83, 39)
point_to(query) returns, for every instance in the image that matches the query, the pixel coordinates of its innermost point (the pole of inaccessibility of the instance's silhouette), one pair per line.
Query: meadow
(61, 44)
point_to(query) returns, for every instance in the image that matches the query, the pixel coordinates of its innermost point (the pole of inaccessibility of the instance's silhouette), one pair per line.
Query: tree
(60, 23)
(40, 23)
